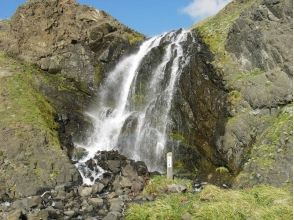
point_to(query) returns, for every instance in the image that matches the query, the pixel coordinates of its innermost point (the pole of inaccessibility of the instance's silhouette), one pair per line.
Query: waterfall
(134, 103)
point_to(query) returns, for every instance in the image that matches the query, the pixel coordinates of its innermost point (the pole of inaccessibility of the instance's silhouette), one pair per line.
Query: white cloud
(204, 8)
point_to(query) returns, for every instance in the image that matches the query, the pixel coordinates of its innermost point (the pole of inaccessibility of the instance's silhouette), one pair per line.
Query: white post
(169, 161)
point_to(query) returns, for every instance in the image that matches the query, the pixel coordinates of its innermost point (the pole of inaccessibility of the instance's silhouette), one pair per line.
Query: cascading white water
(133, 111)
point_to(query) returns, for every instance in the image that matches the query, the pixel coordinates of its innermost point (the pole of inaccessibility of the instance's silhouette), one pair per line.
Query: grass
(134, 37)
(23, 104)
(158, 185)
(259, 202)
(29, 118)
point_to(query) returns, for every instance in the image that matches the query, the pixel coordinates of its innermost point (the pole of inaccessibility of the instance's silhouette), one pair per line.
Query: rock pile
(105, 199)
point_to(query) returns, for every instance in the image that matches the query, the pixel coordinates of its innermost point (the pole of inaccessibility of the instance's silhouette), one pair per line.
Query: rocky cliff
(251, 133)
(232, 110)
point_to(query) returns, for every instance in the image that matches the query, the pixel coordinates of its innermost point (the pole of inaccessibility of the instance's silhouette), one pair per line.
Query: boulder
(28, 203)
(15, 215)
(116, 204)
(69, 213)
(85, 191)
(97, 188)
(97, 202)
(129, 171)
(186, 216)
(114, 166)
(174, 188)
(42, 214)
(113, 216)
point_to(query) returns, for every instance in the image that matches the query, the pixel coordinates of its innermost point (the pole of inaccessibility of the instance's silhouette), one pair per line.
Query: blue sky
(149, 17)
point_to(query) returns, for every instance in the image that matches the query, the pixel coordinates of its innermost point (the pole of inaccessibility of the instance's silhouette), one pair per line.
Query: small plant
(222, 170)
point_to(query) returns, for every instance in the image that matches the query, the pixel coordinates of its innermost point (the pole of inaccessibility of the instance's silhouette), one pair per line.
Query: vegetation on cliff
(29, 134)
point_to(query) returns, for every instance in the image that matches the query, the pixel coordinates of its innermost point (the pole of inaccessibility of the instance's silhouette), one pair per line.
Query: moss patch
(24, 104)
(29, 137)
(214, 30)
(260, 202)
(98, 75)
(248, 75)
(265, 149)
(270, 149)
(234, 97)
(134, 37)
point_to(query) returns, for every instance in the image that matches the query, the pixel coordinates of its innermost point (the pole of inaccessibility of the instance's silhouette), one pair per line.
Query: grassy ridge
(23, 103)
(259, 202)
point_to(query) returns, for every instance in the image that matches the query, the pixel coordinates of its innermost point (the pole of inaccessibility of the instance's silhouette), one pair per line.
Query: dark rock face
(199, 110)
(262, 37)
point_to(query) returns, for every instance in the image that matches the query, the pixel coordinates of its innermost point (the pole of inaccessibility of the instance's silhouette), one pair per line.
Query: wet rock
(97, 188)
(116, 204)
(125, 182)
(111, 195)
(106, 179)
(69, 213)
(53, 213)
(85, 191)
(96, 201)
(114, 165)
(78, 153)
(58, 205)
(129, 171)
(113, 216)
(141, 168)
(42, 214)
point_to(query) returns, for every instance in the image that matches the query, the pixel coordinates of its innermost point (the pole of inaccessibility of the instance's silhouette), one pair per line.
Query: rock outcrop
(31, 158)
(255, 68)
(63, 37)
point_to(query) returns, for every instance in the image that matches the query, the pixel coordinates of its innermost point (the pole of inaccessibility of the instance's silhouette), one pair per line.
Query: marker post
(169, 160)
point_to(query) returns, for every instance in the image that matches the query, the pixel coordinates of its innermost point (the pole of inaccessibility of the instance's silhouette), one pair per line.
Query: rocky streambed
(121, 183)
